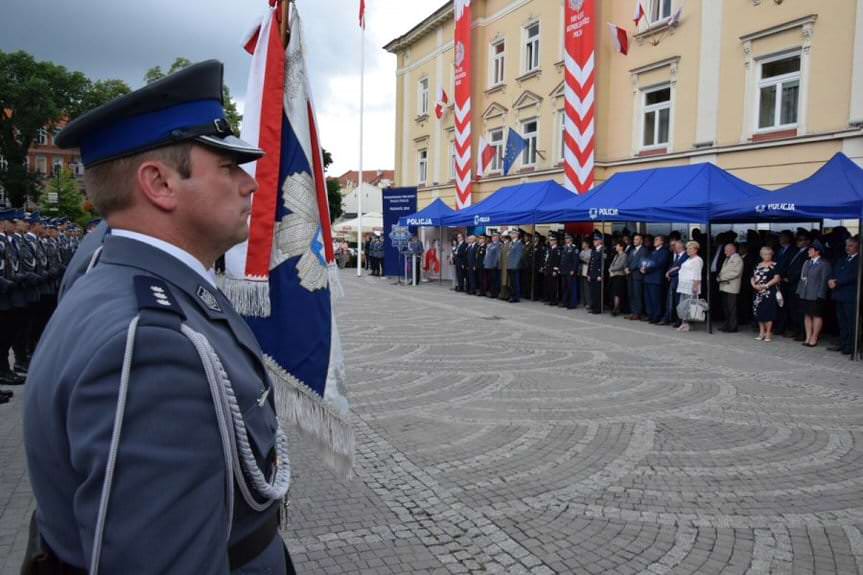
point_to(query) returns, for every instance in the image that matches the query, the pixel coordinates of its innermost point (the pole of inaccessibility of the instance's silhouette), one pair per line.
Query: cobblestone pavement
(499, 438)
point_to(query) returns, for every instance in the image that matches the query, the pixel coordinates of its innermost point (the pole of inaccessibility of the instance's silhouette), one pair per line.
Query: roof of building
(427, 25)
(371, 177)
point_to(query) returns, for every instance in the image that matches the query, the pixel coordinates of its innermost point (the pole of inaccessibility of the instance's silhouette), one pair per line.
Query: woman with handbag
(766, 296)
(689, 285)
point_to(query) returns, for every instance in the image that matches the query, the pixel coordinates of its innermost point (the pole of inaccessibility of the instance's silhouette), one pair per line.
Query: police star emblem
(209, 299)
(576, 5)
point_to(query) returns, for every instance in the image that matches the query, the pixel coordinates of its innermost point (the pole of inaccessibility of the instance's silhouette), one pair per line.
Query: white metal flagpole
(360, 177)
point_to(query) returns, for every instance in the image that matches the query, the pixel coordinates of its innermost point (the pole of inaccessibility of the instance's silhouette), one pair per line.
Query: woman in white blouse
(689, 281)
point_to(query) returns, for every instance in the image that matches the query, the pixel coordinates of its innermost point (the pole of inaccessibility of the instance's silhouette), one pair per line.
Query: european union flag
(515, 145)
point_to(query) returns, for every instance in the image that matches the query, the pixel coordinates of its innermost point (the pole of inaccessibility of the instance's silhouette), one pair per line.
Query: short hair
(693, 244)
(110, 185)
(768, 248)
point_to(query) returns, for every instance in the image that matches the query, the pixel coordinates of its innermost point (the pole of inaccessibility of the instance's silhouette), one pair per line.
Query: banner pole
(855, 333)
(709, 287)
(360, 175)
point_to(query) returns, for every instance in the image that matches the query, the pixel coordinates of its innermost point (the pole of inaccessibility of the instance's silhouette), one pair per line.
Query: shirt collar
(172, 250)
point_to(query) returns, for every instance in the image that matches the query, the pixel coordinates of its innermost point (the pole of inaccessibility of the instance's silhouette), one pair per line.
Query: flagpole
(360, 177)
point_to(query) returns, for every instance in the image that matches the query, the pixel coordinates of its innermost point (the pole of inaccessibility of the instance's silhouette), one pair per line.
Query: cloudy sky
(122, 39)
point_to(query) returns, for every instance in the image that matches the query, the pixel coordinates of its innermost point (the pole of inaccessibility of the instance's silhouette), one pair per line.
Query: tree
(234, 118)
(37, 95)
(70, 202)
(334, 196)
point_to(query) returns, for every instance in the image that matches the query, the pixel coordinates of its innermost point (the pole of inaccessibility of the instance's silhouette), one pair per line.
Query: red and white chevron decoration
(579, 93)
(463, 140)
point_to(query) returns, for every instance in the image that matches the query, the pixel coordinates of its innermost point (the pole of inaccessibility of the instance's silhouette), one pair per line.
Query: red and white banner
(639, 13)
(579, 122)
(463, 140)
(486, 155)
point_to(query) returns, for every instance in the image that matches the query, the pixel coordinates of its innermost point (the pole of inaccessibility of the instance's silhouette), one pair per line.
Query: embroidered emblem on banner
(209, 299)
(576, 5)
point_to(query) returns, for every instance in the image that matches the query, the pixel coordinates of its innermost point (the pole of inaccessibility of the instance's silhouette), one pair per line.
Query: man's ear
(158, 183)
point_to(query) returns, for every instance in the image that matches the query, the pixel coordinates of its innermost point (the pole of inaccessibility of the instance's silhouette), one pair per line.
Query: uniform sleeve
(167, 512)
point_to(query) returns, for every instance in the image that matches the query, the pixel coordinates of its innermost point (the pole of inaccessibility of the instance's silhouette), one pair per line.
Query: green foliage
(35, 95)
(334, 197)
(231, 114)
(70, 201)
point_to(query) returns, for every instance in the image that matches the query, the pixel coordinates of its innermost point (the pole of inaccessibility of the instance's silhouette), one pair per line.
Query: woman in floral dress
(764, 303)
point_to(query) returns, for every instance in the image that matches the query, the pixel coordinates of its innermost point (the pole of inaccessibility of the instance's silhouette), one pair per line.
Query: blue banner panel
(398, 202)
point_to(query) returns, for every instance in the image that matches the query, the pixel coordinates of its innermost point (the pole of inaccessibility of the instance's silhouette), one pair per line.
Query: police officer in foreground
(150, 428)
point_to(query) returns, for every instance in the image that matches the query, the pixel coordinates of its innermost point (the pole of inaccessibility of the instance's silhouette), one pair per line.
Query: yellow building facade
(767, 89)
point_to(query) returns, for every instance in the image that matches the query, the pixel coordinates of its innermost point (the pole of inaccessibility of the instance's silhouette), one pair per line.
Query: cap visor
(243, 151)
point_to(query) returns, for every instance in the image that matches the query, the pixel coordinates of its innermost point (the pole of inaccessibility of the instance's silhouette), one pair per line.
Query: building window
(422, 166)
(496, 68)
(659, 10)
(531, 47)
(41, 136)
(495, 140)
(778, 92)
(530, 129)
(657, 117)
(42, 165)
(4, 163)
(423, 97)
(57, 166)
(54, 136)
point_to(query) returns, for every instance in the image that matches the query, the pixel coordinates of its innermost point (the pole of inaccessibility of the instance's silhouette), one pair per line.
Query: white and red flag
(486, 156)
(463, 140)
(283, 278)
(639, 13)
(620, 38)
(363, 14)
(441, 104)
(579, 94)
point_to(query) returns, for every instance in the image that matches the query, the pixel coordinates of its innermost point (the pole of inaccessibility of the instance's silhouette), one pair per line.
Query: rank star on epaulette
(208, 298)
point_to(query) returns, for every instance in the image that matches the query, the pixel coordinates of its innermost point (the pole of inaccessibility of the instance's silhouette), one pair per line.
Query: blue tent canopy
(431, 215)
(511, 205)
(834, 192)
(675, 194)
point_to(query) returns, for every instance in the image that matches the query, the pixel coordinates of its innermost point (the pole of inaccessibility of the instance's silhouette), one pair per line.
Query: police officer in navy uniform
(150, 428)
(595, 272)
(552, 271)
(569, 263)
(8, 270)
(843, 289)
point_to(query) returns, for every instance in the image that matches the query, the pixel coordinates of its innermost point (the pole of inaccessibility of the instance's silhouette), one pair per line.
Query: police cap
(182, 107)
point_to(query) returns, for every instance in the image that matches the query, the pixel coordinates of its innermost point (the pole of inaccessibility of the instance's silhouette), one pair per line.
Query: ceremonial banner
(397, 203)
(579, 95)
(463, 140)
(293, 318)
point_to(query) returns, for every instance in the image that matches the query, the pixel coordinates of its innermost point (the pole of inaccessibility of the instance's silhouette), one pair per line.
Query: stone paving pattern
(499, 438)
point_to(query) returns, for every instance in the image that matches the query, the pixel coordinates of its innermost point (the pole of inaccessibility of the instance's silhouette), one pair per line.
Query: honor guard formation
(34, 254)
(151, 435)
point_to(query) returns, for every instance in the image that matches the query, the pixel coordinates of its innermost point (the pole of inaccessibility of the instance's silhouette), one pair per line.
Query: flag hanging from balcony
(639, 13)
(463, 140)
(619, 38)
(442, 101)
(579, 91)
(282, 279)
(486, 156)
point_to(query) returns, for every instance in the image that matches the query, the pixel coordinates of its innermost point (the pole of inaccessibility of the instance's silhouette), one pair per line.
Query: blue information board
(397, 203)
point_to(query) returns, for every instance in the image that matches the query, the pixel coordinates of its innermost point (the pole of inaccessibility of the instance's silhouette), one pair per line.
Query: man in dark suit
(784, 253)
(637, 255)
(569, 263)
(671, 300)
(470, 261)
(460, 261)
(790, 279)
(481, 285)
(552, 272)
(595, 271)
(163, 401)
(539, 251)
(514, 262)
(654, 269)
(843, 289)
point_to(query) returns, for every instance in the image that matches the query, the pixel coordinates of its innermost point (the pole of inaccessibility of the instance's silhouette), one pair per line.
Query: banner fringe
(299, 405)
(335, 281)
(249, 297)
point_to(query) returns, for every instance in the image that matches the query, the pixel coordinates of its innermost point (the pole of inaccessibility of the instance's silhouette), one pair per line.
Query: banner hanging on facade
(579, 138)
(463, 140)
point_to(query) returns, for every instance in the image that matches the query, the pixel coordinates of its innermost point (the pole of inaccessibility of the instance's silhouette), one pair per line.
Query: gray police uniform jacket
(168, 508)
(77, 266)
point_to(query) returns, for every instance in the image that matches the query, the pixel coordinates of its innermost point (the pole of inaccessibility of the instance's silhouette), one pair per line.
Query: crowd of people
(34, 253)
(791, 283)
